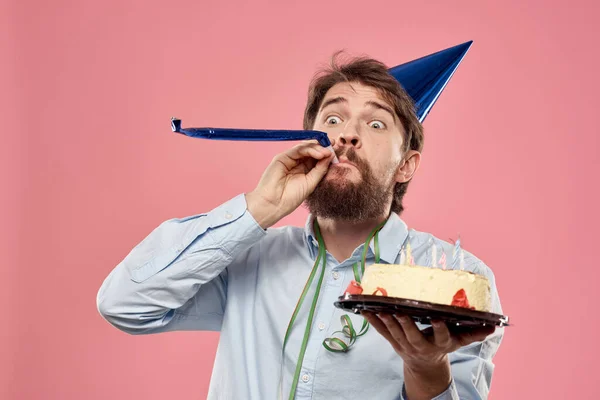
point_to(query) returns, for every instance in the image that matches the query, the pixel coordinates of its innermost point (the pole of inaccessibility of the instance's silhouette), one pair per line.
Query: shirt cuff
(449, 394)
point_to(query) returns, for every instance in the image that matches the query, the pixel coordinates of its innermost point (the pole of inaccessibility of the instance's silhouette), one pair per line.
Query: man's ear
(408, 167)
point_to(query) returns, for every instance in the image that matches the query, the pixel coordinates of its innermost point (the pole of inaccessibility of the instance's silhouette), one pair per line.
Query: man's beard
(351, 201)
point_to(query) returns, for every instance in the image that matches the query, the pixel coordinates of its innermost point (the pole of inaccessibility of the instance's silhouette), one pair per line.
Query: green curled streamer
(338, 345)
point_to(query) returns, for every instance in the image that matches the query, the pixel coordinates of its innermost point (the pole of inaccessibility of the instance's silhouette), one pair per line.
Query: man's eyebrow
(380, 106)
(335, 100)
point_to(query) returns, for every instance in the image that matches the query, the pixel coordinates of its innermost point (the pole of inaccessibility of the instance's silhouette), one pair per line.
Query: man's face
(367, 137)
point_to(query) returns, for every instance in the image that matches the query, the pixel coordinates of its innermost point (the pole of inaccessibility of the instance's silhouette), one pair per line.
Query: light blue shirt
(221, 271)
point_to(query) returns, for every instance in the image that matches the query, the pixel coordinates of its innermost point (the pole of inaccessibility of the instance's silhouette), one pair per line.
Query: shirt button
(336, 275)
(305, 378)
(228, 215)
(321, 326)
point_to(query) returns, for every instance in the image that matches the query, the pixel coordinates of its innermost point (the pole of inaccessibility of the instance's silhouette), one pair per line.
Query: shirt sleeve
(176, 278)
(472, 366)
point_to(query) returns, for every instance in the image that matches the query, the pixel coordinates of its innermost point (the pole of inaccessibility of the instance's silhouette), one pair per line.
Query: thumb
(318, 172)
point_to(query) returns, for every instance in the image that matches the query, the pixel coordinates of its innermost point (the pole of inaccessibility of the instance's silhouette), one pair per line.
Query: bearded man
(227, 270)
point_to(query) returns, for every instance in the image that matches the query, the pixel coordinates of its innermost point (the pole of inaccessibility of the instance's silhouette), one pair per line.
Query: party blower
(424, 79)
(253, 134)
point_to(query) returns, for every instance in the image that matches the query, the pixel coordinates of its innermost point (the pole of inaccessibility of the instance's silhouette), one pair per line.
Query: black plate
(421, 311)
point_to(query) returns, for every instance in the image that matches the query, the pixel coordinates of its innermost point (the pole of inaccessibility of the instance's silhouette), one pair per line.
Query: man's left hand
(426, 364)
(418, 348)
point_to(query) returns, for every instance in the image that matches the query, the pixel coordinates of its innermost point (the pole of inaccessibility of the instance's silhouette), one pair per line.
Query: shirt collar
(391, 238)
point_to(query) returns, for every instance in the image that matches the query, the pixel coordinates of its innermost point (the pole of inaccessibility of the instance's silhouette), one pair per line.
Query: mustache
(351, 155)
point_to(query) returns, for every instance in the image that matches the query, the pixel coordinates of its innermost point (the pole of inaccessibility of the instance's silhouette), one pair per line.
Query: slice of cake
(434, 285)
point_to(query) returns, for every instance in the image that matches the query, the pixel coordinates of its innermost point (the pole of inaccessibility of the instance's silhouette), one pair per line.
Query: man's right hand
(290, 178)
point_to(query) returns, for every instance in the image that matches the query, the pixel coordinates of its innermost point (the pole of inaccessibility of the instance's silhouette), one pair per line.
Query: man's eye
(377, 125)
(333, 120)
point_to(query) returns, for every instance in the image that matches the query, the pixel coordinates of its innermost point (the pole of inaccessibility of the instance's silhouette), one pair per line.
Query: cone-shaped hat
(425, 78)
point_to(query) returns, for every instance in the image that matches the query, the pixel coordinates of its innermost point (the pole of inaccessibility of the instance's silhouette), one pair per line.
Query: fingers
(407, 340)
(317, 173)
(291, 157)
(401, 330)
(377, 323)
(396, 330)
(441, 334)
(475, 335)
(412, 333)
(428, 333)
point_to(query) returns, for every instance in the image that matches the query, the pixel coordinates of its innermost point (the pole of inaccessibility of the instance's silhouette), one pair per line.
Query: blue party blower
(260, 135)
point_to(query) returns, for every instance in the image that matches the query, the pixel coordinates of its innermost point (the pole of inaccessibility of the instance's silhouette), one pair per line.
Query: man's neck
(343, 237)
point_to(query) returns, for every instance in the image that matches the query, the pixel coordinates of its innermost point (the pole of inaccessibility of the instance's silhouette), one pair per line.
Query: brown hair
(369, 72)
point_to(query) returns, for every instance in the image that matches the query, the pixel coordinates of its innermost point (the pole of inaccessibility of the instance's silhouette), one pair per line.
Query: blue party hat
(425, 78)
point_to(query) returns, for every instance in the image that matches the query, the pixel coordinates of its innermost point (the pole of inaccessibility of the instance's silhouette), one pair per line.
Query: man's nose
(349, 136)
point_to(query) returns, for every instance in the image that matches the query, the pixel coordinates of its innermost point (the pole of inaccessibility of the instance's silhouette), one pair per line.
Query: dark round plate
(421, 311)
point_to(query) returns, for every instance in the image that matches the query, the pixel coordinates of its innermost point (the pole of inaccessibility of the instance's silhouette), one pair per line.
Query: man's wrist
(262, 211)
(423, 366)
(425, 380)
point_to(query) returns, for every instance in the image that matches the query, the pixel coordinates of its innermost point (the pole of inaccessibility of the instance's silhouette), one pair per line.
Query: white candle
(443, 260)
(433, 256)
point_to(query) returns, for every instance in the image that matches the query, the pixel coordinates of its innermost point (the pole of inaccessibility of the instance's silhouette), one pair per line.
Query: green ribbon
(336, 344)
(333, 344)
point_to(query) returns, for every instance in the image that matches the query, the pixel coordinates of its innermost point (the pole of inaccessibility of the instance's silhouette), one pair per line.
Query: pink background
(89, 167)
